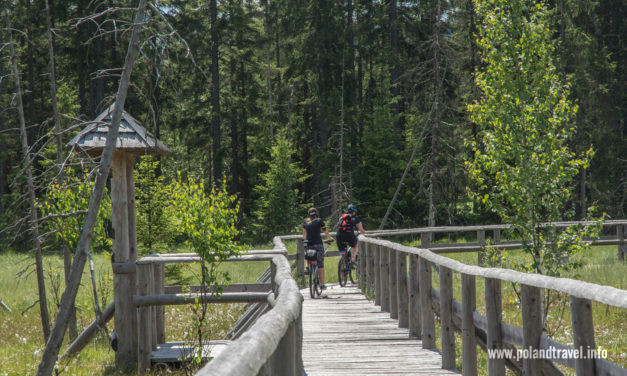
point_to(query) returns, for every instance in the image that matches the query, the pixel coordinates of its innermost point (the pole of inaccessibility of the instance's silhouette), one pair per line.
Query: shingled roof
(132, 137)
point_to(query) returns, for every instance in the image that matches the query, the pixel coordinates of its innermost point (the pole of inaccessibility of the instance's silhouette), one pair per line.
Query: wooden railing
(152, 294)
(406, 292)
(427, 235)
(273, 344)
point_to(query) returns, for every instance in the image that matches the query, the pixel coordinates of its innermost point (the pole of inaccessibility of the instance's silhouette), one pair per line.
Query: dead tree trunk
(67, 256)
(30, 185)
(51, 352)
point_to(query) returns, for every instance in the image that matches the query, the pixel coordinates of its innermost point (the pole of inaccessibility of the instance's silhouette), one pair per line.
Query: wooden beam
(446, 318)
(392, 292)
(300, 257)
(426, 312)
(385, 279)
(178, 299)
(123, 284)
(469, 341)
(604, 294)
(144, 329)
(83, 339)
(401, 290)
(414, 298)
(481, 243)
(531, 302)
(496, 366)
(233, 287)
(583, 334)
(376, 261)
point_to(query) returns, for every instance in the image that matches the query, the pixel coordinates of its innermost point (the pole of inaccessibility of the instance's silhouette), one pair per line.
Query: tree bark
(394, 82)
(67, 257)
(51, 352)
(215, 96)
(435, 125)
(30, 185)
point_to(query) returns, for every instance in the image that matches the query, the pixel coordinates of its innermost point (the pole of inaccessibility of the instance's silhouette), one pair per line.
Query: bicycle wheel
(317, 285)
(312, 287)
(353, 272)
(342, 270)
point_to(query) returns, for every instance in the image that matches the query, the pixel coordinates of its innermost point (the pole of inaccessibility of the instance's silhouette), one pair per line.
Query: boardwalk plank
(345, 334)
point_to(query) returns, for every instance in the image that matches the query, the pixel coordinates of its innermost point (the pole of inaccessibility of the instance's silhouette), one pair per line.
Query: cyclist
(312, 239)
(349, 223)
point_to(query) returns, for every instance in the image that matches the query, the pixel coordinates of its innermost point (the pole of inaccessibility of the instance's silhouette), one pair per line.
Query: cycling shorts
(319, 254)
(345, 239)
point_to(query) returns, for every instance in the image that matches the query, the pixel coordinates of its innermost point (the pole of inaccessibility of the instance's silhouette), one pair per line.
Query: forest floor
(21, 342)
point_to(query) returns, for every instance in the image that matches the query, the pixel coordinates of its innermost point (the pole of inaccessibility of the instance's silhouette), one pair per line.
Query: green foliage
(64, 208)
(153, 204)
(207, 221)
(279, 208)
(523, 165)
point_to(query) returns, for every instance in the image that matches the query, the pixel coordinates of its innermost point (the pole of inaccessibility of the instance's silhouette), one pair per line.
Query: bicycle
(347, 268)
(312, 269)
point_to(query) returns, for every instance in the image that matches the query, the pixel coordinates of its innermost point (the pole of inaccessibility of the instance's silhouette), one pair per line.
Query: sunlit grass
(21, 339)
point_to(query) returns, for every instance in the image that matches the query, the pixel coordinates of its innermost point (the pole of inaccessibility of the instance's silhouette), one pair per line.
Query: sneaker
(323, 287)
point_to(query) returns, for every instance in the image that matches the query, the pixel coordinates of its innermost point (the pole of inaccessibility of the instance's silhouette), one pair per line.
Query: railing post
(376, 259)
(481, 242)
(273, 276)
(426, 310)
(284, 357)
(446, 317)
(583, 334)
(469, 341)
(496, 234)
(299, 342)
(144, 330)
(153, 309)
(385, 279)
(362, 257)
(401, 288)
(496, 366)
(531, 300)
(425, 240)
(392, 286)
(620, 235)
(414, 298)
(160, 289)
(370, 267)
(300, 257)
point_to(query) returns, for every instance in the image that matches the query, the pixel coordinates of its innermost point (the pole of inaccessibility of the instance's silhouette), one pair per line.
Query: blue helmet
(351, 208)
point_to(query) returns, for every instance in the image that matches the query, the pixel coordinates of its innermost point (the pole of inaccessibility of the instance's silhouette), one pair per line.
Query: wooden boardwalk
(345, 334)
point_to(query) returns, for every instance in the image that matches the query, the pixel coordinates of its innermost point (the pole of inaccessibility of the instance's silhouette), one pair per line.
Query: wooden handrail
(603, 294)
(440, 229)
(273, 345)
(489, 332)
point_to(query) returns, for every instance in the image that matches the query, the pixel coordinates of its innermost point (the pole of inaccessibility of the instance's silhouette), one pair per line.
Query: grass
(21, 341)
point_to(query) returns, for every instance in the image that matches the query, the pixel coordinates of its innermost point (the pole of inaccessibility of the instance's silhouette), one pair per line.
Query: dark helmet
(351, 208)
(312, 212)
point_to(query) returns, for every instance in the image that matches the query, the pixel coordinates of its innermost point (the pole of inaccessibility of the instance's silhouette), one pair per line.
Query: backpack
(346, 224)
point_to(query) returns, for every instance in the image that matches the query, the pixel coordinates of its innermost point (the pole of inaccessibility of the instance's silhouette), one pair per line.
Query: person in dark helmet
(346, 230)
(312, 227)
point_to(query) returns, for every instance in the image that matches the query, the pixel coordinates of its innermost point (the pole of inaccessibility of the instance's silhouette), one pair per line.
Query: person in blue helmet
(347, 227)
